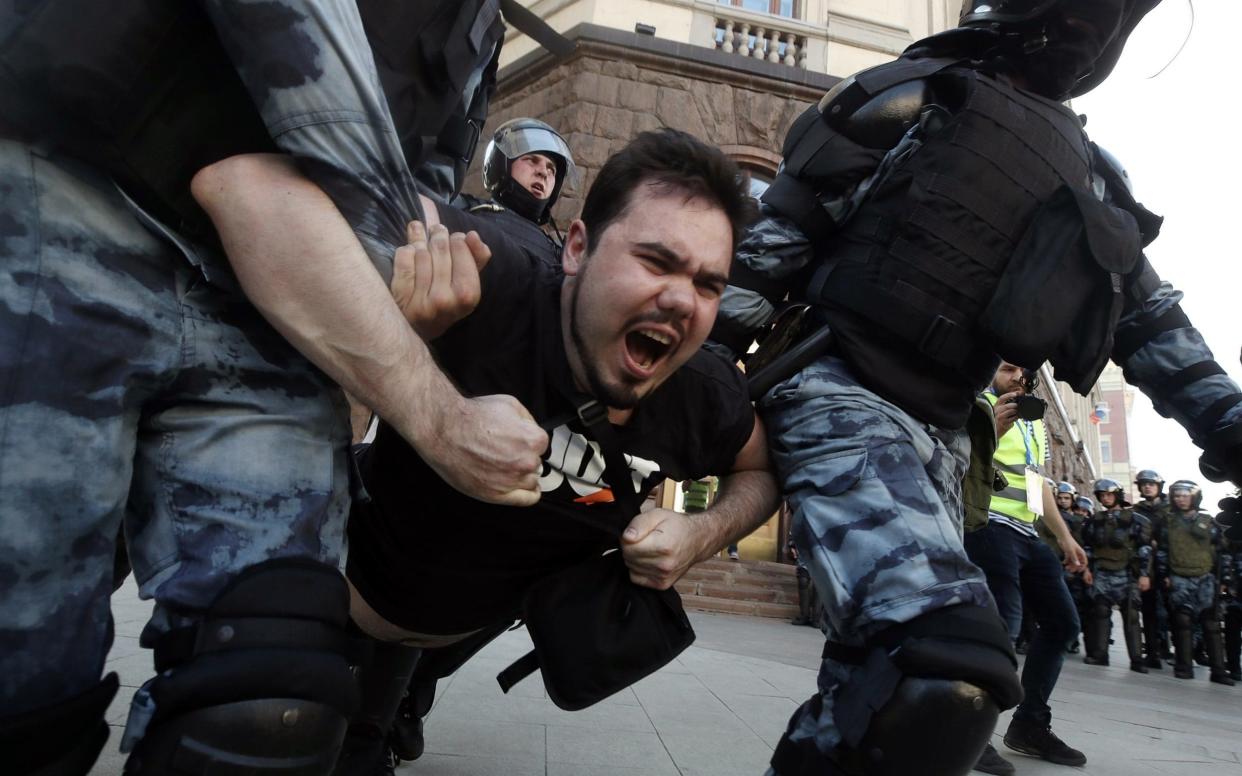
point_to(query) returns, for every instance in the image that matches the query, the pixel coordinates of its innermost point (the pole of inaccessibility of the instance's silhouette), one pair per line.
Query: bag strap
(520, 669)
(594, 417)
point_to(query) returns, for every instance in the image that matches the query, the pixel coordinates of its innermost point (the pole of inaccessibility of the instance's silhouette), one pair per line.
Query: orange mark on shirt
(602, 496)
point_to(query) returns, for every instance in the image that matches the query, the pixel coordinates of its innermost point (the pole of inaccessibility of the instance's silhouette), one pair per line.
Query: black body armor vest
(910, 275)
(976, 224)
(522, 231)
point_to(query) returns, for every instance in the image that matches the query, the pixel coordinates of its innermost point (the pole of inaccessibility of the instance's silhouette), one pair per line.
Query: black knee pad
(925, 699)
(261, 684)
(60, 740)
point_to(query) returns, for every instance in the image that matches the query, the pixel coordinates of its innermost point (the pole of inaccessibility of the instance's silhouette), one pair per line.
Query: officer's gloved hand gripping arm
(310, 72)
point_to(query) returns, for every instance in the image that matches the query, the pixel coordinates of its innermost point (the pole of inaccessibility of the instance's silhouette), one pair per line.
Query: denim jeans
(1023, 571)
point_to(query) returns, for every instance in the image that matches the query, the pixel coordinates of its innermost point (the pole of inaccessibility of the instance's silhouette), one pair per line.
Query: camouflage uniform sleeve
(769, 256)
(1167, 358)
(309, 69)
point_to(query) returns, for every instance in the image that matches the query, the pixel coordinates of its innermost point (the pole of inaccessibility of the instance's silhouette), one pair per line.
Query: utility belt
(798, 336)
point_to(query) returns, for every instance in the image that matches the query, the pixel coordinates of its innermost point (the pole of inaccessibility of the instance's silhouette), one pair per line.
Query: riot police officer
(1066, 495)
(175, 406)
(1233, 607)
(526, 166)
(905, 216)
(1191, 547)
(1120, 549)
(1151, 506)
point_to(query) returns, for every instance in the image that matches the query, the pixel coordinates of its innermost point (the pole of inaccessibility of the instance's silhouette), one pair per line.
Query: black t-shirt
(432, 560)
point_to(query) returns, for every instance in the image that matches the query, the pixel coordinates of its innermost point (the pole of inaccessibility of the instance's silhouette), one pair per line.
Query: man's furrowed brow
(672, 257)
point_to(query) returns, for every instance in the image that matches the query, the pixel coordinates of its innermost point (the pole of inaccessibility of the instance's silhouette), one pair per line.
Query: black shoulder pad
(883, 120)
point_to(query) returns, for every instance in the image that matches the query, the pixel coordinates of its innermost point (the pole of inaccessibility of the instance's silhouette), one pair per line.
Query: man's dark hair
(670, 161)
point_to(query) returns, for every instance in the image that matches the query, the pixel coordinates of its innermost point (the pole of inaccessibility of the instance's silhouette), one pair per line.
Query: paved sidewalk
(720, 708)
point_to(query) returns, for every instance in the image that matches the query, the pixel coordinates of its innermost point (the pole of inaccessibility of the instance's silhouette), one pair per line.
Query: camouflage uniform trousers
(877, 516)
(1117, 587)
(1194, 594)
(134, 390)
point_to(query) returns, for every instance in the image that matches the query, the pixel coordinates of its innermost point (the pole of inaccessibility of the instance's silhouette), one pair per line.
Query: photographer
(1019, 567)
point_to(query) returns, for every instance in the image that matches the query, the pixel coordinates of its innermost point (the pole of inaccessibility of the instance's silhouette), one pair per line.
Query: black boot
(1134, 648)
(1096, 634)
(991, 762)
(804, 599)
(1183, 645)
(1215, 649)
(382, 683)
(1233, 642)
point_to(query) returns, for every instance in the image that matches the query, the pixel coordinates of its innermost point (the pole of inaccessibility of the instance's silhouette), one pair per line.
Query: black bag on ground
(1061, 295)
(595, 632)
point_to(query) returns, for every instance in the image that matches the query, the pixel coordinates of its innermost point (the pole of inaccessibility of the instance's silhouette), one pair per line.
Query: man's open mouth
(645, 347)
(538, 188)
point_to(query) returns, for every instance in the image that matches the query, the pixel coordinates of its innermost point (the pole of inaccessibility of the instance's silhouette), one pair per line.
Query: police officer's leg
(1097, 634)
(1151, 627)
(1210, 616)
(1130, 623)
(382, 682)
(804, 596)
(242, 487)
(85, 300)
(1181, 598)
(433, 665)
(877, 514)
(1233, 640)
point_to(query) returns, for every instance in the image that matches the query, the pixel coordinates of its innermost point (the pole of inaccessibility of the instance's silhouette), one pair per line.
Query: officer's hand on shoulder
(435, 279)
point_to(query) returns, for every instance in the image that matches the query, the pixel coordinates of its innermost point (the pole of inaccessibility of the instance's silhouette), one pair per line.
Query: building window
(1106, 451)
(774, 7)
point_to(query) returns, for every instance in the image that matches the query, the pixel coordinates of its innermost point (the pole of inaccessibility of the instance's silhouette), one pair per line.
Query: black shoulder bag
(595, 632)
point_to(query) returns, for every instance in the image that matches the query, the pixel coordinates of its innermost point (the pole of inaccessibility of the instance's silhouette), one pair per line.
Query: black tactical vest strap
(1129, 340)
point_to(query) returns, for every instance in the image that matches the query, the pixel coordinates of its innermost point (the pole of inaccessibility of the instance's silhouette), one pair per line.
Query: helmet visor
(521, 141)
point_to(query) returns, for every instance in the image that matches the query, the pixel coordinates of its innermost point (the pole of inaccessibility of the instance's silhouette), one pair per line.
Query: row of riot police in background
(1167, 565)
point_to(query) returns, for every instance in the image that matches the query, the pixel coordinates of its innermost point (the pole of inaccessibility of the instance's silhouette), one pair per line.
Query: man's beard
(617, 397)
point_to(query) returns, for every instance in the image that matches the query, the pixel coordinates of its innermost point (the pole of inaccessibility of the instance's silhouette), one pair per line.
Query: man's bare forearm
(312, 280)
(746, 500)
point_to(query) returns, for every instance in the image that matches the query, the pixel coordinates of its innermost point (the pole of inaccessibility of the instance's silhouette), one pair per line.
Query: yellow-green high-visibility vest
(1023, 444)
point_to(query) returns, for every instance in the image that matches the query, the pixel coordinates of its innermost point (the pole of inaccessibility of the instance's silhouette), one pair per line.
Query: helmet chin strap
(514, 196)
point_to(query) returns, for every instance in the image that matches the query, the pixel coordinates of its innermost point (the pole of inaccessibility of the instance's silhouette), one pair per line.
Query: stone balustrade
(769, 40)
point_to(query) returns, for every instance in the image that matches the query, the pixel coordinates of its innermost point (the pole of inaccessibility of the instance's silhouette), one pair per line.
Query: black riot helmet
(1188, 486)
(1066, 487)
(1149, 475)
(1106, 486)
(1063, 48)
(517, 138)
(1084, 503)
